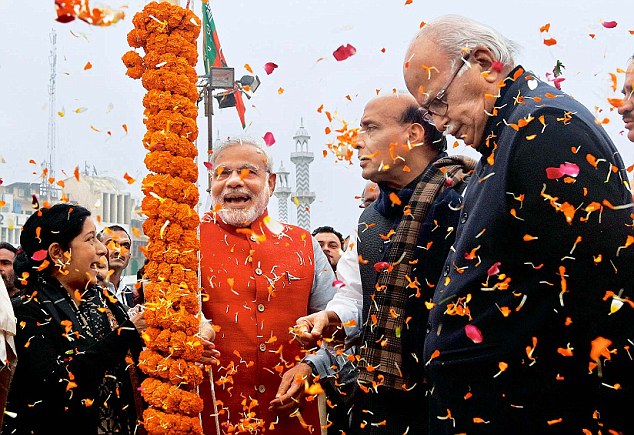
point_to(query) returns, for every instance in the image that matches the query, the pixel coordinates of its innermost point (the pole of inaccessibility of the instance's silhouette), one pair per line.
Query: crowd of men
(490, 296)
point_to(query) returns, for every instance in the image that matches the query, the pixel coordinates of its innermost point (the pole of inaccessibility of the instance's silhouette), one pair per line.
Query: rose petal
(557, 82)
(269, 67)
(209, 166)
(39, 255)
(381, 265)
(269, 139)
(338, 284)
(569, 169)
(344, 52)
(473, 333)
(497, 66)
(609, 24)
(494, 269)
(554, 173)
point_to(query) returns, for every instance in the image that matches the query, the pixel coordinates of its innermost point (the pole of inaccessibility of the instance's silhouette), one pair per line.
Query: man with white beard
(258, 276)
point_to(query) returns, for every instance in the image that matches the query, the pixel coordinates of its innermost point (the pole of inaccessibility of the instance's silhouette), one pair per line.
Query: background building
(302, 197)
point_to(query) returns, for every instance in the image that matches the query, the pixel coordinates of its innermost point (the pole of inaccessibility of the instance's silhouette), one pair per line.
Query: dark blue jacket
(532, 269)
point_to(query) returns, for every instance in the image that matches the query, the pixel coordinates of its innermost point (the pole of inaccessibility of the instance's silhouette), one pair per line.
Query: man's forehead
(6, 254)
(117, 235)
(387, 107)
(327, 236)
(428, 64)
(245, 153)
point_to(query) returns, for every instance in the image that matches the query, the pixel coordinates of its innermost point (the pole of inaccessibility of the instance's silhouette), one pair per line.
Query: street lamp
(253, 82)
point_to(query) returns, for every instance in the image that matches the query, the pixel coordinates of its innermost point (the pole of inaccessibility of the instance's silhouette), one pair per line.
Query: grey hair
(240, 141)
(456, 34)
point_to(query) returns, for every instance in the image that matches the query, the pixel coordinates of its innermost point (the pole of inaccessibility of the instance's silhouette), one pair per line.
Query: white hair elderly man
(258, 276)
(528, 330)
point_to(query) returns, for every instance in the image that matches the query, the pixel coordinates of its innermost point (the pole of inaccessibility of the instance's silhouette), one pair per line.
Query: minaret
(217, 142)
(282, 191)
(302, 158)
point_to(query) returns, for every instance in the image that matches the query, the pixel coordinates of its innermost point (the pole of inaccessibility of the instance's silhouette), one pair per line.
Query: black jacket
(532, 269)
(55, 387)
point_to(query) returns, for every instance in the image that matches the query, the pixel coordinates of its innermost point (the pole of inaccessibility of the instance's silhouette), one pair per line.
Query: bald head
(393, 143)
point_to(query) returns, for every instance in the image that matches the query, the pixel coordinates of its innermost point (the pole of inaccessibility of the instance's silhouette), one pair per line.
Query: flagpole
(209, 111)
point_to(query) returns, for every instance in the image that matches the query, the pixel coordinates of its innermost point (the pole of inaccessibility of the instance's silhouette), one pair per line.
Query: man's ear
(483, 57)
(271, 181)
(416, 134)
(56, 252)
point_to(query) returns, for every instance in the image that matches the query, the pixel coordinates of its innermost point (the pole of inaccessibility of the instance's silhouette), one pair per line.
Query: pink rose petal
(209, 166)
(344, 52)
(269, 67)
(381, 266)
(554, 173)
(497, 66)
(609, 24)
(564, 169)
(269, 139)
(473, 333)
(495, 269)
(557, 82)
(338, 284)
(39, 255)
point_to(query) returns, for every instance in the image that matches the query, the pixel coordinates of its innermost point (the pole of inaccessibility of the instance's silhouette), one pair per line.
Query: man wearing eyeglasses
(403, 239)
(258, 276)
(530, 327)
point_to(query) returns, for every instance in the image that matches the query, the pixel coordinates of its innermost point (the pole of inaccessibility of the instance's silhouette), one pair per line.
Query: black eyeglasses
(438, 105)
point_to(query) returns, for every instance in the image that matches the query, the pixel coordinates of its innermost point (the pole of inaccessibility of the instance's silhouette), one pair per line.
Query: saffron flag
(240, 105)
(213, 56)
(213, 52)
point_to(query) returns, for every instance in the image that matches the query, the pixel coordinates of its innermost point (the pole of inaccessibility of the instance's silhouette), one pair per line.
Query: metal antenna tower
(47, 189)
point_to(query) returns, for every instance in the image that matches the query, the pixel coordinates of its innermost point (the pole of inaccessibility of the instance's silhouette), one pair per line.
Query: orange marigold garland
(167, 34)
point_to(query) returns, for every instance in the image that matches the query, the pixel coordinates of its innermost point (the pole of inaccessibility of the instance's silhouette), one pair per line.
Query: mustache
(238, 190)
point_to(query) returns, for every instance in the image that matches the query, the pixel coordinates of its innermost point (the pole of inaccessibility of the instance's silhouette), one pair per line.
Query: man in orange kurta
(258, 276)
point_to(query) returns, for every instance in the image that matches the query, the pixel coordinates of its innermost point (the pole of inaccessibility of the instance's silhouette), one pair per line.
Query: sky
(300, 37)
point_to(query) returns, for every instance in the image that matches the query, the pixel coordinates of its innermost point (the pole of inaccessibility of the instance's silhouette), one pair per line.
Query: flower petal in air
(269, 139)
(494, 269)
(269, 67)
(569, 169)
(474, 333)
(609, 24)
(39, 255)
(338, 284)
(381, 266)
(344, 52)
